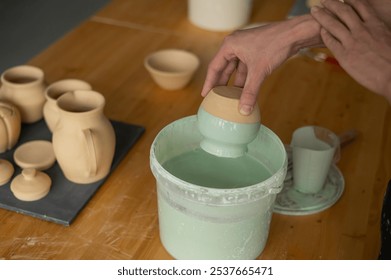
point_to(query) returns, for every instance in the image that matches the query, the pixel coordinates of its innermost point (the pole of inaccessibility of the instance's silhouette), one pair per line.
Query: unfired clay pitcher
(84, 139)
(24, 87)
(9, 126)
(53, 92)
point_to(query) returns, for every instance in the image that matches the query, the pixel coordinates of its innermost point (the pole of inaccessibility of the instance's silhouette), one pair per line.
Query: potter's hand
(359, 40)
(253, 54)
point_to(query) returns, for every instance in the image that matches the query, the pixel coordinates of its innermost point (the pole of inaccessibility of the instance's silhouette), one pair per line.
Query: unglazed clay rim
(252, 191)
(10, 171)
(40, 144)
(190, 70)
(98, 95)
(37, 79)
(49, 94)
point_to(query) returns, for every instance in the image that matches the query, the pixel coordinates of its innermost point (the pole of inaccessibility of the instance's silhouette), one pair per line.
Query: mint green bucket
(198, 222)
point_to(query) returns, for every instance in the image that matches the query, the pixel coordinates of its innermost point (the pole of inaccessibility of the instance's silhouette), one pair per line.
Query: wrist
(304, 32)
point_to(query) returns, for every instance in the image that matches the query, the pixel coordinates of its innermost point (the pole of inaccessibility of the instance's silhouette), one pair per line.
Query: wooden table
(121, 220)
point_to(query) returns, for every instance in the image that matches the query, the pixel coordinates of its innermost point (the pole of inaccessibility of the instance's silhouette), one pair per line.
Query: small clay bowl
(172, 69)
(226, 132)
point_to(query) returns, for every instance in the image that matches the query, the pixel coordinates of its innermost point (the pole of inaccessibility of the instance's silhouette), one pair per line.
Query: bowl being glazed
(226, 132)
(172, 69)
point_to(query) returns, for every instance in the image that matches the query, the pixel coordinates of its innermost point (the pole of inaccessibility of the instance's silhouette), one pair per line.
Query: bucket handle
(91, 152)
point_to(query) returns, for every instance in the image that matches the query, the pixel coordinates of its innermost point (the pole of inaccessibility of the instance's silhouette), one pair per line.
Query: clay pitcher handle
(9, 131)
(7, 126)
(91, 152)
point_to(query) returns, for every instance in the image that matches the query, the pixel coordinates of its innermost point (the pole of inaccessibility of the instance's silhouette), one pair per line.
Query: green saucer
(292, 202)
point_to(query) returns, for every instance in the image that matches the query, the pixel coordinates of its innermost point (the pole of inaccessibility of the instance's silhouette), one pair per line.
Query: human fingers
(240, 75)
(346, 13)
(250, 91)
(330, 23)
(227, 72)
(214, 72)
(331, 43)
(363, 9)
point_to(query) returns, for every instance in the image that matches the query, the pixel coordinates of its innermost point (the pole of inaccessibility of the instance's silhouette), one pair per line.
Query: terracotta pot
(53, 92)
(84, 139)
(24, 87)
(9, 126)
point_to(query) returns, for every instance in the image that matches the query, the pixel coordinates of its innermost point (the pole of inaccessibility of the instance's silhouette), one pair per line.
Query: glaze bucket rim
(272, 185)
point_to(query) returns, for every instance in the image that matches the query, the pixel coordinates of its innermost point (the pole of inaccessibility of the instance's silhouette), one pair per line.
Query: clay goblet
(226, 132)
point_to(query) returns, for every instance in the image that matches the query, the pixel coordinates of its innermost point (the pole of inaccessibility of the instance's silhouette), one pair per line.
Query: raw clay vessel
(84, 139)
(31, 185)
(24, 87)
(9, 126)
(53, 92)
(226, 132)
(172, 69)
(6, 171)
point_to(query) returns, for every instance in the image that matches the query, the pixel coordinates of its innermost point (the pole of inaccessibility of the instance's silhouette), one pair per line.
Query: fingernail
(245, 110)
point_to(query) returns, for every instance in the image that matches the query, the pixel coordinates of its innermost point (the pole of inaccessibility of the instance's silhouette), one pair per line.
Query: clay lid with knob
(223, 102)
(6, 171)
(37, 154)
(31, 185)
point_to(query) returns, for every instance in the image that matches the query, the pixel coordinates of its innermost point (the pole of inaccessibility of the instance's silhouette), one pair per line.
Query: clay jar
(53, 92)
(226, 132)
(84, 139)
(24, 87)
(9, 126)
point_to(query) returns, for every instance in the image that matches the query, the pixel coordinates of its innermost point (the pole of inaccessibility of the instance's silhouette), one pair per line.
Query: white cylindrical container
(219, 15)
(199, 222)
